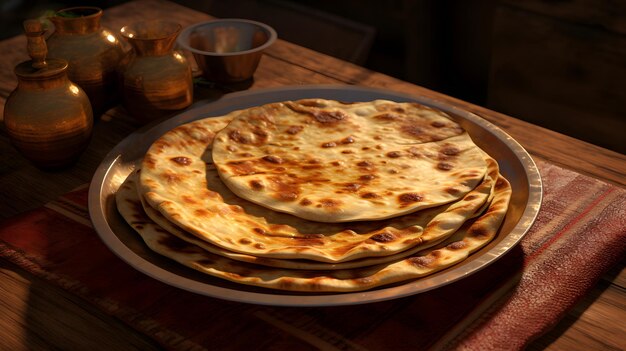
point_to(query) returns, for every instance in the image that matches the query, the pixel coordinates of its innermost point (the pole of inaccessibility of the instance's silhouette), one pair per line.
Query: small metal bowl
(227, 50)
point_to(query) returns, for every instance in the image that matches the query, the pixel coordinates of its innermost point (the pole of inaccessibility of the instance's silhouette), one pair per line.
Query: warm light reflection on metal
(178, 56)
(74, 89)
(111, 38)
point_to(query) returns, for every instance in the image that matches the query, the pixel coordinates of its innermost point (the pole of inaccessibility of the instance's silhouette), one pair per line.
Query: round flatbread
(329, 161)
(470, 237)
(179, 180)
(127, 194)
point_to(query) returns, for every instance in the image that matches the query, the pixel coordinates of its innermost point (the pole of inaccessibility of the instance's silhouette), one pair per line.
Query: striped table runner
(579, 234)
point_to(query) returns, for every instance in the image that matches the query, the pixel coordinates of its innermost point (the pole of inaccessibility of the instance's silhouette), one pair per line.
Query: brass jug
(156, 80)
(47, 117)
(93, 53)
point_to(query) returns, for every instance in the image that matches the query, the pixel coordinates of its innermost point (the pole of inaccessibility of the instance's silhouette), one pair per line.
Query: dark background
(556, 63)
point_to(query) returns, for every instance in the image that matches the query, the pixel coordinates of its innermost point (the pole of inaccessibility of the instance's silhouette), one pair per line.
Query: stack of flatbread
(317, 195)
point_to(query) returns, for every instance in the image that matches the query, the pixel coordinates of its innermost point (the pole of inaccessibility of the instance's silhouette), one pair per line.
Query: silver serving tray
(515, 164)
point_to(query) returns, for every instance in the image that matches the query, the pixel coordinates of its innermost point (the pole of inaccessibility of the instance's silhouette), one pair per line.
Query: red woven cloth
(579, 234)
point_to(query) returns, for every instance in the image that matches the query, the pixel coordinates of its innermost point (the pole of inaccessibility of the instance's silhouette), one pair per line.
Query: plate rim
(110, 239)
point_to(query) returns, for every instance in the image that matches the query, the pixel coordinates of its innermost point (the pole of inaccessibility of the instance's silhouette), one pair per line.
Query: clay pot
(93, 54)
(47, 117)
(156, 80)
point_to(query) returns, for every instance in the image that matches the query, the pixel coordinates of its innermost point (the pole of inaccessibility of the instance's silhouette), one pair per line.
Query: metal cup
(227, 50)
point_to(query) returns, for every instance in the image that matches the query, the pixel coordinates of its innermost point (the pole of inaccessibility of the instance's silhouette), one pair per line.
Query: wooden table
(52, 318)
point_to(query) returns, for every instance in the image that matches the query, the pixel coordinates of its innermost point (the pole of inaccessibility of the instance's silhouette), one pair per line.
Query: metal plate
(515, 164)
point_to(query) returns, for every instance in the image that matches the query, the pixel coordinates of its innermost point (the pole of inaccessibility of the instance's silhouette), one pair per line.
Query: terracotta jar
(48, 118)
(93, 53)
(155, 79)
